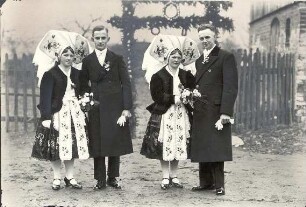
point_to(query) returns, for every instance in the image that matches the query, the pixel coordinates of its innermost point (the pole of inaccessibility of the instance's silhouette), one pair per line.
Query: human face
(207, 38)
(100, 38)
(66, 59)
(175, 60)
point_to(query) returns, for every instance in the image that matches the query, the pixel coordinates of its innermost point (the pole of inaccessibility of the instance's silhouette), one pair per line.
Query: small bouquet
(87, 102)
(188, 95)
(106, 66)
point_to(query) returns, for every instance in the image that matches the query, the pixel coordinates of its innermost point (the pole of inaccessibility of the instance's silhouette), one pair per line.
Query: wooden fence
(264, 98)
(19, 92)
(266, 92)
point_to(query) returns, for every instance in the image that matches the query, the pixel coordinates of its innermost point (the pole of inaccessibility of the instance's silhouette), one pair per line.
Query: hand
(46, 123)
(177, 100)
(225, 119)
(126, 113)
(219, 125)
(121, 121)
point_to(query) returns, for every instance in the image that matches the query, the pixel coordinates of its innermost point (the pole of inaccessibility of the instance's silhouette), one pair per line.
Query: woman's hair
(176, 51)
(68, 49)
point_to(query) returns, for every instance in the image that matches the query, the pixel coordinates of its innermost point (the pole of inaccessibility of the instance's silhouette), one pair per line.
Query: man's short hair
(207, 26)
(99, 28)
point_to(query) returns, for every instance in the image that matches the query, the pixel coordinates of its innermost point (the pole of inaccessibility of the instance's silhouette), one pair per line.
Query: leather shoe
(176, 184)
(204, 187)
(220, 191)
(74, 185)
(113, 182)
(100, 185)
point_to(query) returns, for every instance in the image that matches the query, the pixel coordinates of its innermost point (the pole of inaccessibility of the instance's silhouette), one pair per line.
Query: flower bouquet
(188, 95)
(87, 102)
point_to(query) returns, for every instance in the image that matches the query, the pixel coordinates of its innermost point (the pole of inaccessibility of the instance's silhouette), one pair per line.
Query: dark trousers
(211, 173)
(100, 168)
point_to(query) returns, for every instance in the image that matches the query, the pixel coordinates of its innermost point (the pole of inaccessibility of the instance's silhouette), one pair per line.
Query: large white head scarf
(52, 45)
(155, 57)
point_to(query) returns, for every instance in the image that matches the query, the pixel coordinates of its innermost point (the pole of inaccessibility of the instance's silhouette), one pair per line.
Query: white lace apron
(62, 121)
(174, 129)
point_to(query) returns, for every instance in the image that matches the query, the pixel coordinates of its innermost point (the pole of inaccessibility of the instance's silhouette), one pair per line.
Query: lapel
(203, 68)
(109, 56)
(95, 61)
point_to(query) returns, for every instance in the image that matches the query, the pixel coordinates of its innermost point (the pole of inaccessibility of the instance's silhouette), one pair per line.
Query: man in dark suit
(105, 75)
(217, 80)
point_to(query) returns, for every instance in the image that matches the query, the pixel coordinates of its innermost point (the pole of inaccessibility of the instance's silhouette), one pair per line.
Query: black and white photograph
(164, 103)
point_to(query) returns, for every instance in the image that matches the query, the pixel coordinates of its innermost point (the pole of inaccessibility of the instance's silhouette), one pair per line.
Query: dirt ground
(253, 179)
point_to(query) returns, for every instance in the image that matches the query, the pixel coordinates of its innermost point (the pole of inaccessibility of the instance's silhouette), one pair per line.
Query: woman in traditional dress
(168, 128)
(61, 113)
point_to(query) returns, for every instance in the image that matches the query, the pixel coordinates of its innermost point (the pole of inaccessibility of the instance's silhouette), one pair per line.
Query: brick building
(282, 28)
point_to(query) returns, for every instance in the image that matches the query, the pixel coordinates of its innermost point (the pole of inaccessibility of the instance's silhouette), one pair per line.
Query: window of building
(288, 32)
(274, 37)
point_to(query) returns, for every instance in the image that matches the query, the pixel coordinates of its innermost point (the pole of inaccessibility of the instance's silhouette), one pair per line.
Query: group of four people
(175, 131)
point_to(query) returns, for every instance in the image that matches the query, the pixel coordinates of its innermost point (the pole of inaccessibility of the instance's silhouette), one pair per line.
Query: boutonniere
(106, 65)
(205, 60)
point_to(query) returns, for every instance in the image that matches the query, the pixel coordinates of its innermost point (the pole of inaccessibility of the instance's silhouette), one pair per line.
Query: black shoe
(113, 182)
(69, 184)
(204, 187)
(55, 186)
(100, 185)
(165, 186)
(175, 184)
(220, 191)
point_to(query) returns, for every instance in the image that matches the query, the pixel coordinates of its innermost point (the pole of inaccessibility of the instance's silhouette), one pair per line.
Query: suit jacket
(112, 88)
(217, 82)
(52, 90)
(161, 87)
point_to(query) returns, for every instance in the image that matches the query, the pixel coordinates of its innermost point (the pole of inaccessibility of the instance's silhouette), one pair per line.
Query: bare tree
(85, 28)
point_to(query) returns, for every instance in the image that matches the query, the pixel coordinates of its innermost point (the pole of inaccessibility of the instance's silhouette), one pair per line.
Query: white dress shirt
(101, 55)
(207, 52)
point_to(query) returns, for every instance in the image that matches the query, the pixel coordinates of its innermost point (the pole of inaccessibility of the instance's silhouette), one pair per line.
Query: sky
(24, 22)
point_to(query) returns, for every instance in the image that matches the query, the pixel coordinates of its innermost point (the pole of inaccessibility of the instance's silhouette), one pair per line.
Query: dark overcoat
(217, 82)
(112, 88)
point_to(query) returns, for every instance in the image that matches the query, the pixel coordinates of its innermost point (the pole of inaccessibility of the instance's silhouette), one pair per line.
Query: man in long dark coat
(216, 77)
(105, 75)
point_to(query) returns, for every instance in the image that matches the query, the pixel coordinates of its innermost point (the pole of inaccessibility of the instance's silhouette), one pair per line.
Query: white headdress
(52, 45)
(155, 57)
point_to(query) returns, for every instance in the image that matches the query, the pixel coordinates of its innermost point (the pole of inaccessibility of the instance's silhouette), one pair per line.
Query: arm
(157, 91)
(46, 89)
(230, 85)
(126, 88)
(84, 78)
(190, 80)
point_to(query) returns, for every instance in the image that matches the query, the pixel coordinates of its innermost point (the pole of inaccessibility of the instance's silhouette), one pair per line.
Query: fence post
(263, 90)
(7, 96)
(24, 72)
(15, 69)
(258, 81)
(279, 89)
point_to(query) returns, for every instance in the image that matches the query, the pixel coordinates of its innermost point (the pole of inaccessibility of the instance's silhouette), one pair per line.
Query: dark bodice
(52, 90)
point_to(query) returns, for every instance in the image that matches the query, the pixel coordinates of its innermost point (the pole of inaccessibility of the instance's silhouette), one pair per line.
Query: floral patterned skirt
(46, 144)
(151, 147)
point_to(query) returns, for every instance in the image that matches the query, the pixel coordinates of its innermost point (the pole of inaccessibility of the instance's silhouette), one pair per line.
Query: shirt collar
(207, 52)
(101, 52)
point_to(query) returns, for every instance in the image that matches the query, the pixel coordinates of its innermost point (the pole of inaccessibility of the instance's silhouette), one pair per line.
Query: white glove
(46, 123)
(219, 125)
(121, 121)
